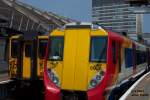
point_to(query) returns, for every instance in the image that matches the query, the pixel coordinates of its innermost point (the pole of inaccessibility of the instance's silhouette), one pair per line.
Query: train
(84, 61)
(26, 56)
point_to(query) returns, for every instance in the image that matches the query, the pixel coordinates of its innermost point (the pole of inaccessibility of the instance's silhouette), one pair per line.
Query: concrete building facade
(115, 15)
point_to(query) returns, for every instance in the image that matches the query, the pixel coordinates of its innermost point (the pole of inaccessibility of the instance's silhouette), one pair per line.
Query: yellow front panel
(56, 66)
(82, 60)
(26, 65)
(74, 71)
(69, 59)
(58, 32)
(99, 33)
(94, 68)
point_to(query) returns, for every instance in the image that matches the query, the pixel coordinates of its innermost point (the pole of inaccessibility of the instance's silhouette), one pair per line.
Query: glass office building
(115, 15)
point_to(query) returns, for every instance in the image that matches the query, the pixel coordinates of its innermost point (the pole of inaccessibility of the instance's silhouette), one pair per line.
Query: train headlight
(53, 76)
(98, 77)
(55, 80)
(93, 83)
(96, 80)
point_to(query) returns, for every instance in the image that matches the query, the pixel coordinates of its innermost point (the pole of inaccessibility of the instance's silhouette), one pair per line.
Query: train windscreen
(98, 52)
(42, 47)
(56, 48)
(14, 48)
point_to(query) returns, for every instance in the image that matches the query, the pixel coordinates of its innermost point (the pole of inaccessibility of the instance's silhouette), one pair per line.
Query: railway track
(20, 91)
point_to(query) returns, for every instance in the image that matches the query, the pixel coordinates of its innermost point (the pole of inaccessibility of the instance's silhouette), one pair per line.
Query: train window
(56, 48)
(114, 51)
(140, 57)
(98, 50)
(3, 49)
(128, 57)
(14, 48)
(42, 48)
(28, 50)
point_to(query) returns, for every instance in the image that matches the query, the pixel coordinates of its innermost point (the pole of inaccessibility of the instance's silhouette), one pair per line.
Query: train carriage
(26, 56)
(84, 61)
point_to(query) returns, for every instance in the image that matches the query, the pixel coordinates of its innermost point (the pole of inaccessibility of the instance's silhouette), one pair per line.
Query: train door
(28, 60)
(115, 67)
(134, 57)
(15, 58)
(116, 57)
(41, 49)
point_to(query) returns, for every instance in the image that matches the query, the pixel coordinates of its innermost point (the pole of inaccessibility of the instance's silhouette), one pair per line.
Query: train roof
(116, 36)
(81, 25)
(121, 38)
(29, 35)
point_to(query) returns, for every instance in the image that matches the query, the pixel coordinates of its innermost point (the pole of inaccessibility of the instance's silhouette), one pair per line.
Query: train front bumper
(57, 94)
(52, 93)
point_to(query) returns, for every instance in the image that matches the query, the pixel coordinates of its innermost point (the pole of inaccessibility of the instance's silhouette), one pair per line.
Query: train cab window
(28, 50)
(14, 48)
(56, 48)
(42, 48)
(98, 52)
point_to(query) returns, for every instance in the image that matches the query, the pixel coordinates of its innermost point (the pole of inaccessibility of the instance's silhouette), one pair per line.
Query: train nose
(74, 79)
(76, 57)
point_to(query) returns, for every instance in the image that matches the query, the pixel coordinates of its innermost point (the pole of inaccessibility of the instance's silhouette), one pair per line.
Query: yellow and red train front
(76, 61)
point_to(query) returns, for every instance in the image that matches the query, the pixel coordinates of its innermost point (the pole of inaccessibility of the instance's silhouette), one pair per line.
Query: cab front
(75, 64)
(15, 57)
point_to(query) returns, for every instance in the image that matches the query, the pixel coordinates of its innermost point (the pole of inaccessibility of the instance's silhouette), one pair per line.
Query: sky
(146, 23)
(79, 10)
(75, 9)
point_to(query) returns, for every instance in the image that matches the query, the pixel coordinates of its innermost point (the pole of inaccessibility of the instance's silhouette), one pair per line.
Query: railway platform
(3, 71)
(4, 78)
(140, 90)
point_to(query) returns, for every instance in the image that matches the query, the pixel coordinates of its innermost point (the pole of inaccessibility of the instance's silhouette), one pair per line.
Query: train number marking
(96, 67)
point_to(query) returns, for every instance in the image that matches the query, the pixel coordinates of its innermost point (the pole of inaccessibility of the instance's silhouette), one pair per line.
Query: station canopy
(22, 17)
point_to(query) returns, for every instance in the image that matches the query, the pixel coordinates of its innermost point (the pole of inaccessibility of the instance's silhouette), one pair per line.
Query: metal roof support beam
(12, 18)
(20, 23)
(47, 15)
(26, 12)
(13, 13)
(32, 26)
(27, 24)
(33, 14)
(38, 26)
